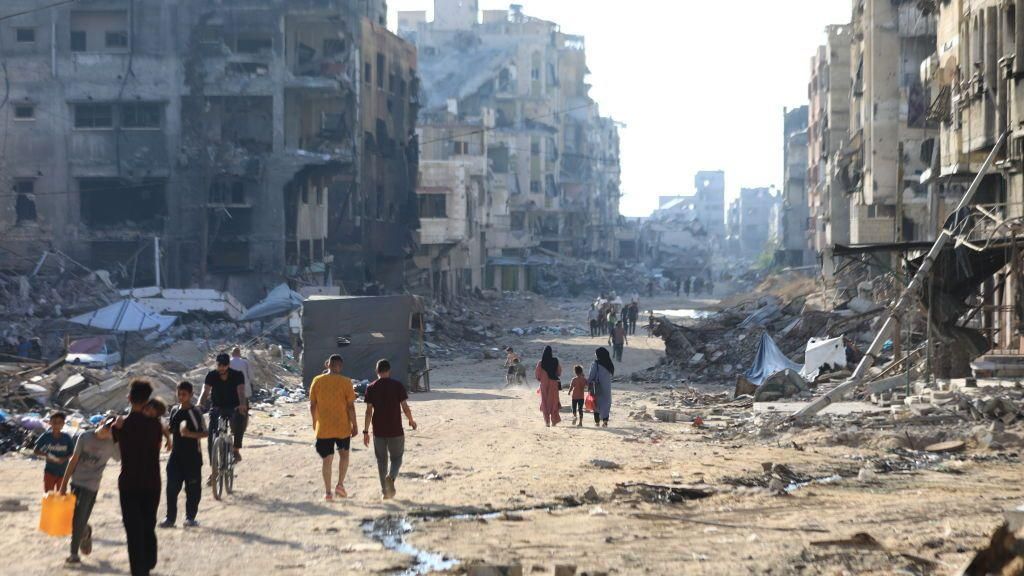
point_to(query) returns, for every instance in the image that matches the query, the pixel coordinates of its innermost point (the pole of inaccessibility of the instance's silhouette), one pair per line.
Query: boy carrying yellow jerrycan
(56, 514)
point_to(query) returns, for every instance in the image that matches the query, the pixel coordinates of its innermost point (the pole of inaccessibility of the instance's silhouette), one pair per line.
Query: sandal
(329, 497)
(339, 490)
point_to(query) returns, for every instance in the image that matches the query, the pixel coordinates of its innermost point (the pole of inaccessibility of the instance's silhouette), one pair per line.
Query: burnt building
(252, 141)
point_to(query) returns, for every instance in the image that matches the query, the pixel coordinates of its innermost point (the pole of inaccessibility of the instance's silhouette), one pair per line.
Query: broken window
(25, 35)
(253, 44)
(25, 202)
(77, 41)
(95, 116)
(433, 206)
(334, 47)
(107, 202)
(24, 112)
(518, 220)
(228, 190)
(499, 159)
(99, 31)
(380, 70)
(141, 115)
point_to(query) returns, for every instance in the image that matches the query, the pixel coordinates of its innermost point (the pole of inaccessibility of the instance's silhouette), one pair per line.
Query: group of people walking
(604, 316)
(597, 383)
(76, 464)
(332, 408)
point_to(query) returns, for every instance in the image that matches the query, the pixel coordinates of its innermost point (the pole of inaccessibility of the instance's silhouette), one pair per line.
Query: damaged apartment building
(977, 74)
(251, 141)
(517, 166)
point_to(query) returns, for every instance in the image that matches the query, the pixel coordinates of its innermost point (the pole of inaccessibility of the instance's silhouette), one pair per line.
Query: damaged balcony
(319, 52)
(237, 59)
(320, 121)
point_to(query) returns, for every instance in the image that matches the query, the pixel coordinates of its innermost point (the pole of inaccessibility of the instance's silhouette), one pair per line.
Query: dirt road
(484, 480)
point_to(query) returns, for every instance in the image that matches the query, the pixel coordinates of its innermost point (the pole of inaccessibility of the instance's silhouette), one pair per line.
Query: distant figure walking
(618, 340)
(600, 380)
(634, 315)
(592, 318)
(547, 373)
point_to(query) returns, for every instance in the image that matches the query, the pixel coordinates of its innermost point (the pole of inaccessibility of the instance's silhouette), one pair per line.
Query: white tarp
(821, 352)
(279, 302)
(124, 316)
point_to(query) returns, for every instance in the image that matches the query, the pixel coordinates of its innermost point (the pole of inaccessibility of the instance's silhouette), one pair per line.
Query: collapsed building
(240, 143)
(518, 166)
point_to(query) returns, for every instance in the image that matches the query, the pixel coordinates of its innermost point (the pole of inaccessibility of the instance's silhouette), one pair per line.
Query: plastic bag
(590, 403)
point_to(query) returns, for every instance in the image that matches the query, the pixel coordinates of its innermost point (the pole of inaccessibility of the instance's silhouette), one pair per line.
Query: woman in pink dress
(548, 372)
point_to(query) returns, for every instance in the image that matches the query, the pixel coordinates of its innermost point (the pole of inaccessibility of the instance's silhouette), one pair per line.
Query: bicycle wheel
(229, 471)
(219, 464)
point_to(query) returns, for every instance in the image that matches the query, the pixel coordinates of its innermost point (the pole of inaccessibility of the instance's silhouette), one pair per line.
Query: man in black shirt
(138, 437)
(224, 388)
(185, 466)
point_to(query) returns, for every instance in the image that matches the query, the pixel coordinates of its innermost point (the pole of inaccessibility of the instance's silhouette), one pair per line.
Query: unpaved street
(482, 447)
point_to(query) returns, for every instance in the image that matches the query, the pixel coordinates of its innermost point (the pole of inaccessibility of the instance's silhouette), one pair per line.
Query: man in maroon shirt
(139, 437)
(386, 399)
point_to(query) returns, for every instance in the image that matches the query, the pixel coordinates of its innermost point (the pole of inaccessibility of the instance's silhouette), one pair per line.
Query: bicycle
(222, 456)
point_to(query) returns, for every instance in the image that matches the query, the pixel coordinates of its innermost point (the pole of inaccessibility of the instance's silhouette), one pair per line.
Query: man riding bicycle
(224, 392)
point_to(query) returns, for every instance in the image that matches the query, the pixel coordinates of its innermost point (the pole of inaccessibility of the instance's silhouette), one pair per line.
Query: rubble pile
(34, 307)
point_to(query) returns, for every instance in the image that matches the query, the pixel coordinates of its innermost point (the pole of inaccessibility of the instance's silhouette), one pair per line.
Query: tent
(125, 316)
(279, 302)
(768, 361)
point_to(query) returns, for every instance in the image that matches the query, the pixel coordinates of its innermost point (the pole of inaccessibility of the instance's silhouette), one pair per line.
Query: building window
(334, 47)
(319, 195)
(141, 115)
(461, 148)
(24, 112)
(535, 186)
(305, 194)
(99, 31)
(25, 203)
(94, 116)
(25, 35)
(78, 41)
(368, 73)
(380, 70)
(253, 44)
(116, 39)
(433, 206)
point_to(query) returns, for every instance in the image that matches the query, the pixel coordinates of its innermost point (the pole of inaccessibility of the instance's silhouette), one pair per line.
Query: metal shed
(362, 329)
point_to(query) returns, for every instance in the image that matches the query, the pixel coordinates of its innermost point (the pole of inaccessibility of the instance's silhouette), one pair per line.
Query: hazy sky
(700, 84)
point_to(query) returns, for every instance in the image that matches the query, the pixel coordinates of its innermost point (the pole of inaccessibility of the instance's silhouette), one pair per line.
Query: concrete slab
(836, 408)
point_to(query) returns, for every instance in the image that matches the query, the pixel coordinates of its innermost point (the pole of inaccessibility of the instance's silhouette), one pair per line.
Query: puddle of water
(683, 313)
(390, 531)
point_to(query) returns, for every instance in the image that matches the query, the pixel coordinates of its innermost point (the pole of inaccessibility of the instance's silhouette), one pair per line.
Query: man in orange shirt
(332, 405)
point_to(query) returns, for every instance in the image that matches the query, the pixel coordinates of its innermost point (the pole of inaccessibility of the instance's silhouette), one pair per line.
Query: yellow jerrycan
(56, 514)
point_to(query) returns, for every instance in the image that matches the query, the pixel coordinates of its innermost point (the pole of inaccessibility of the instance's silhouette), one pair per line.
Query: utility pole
(897, 341)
